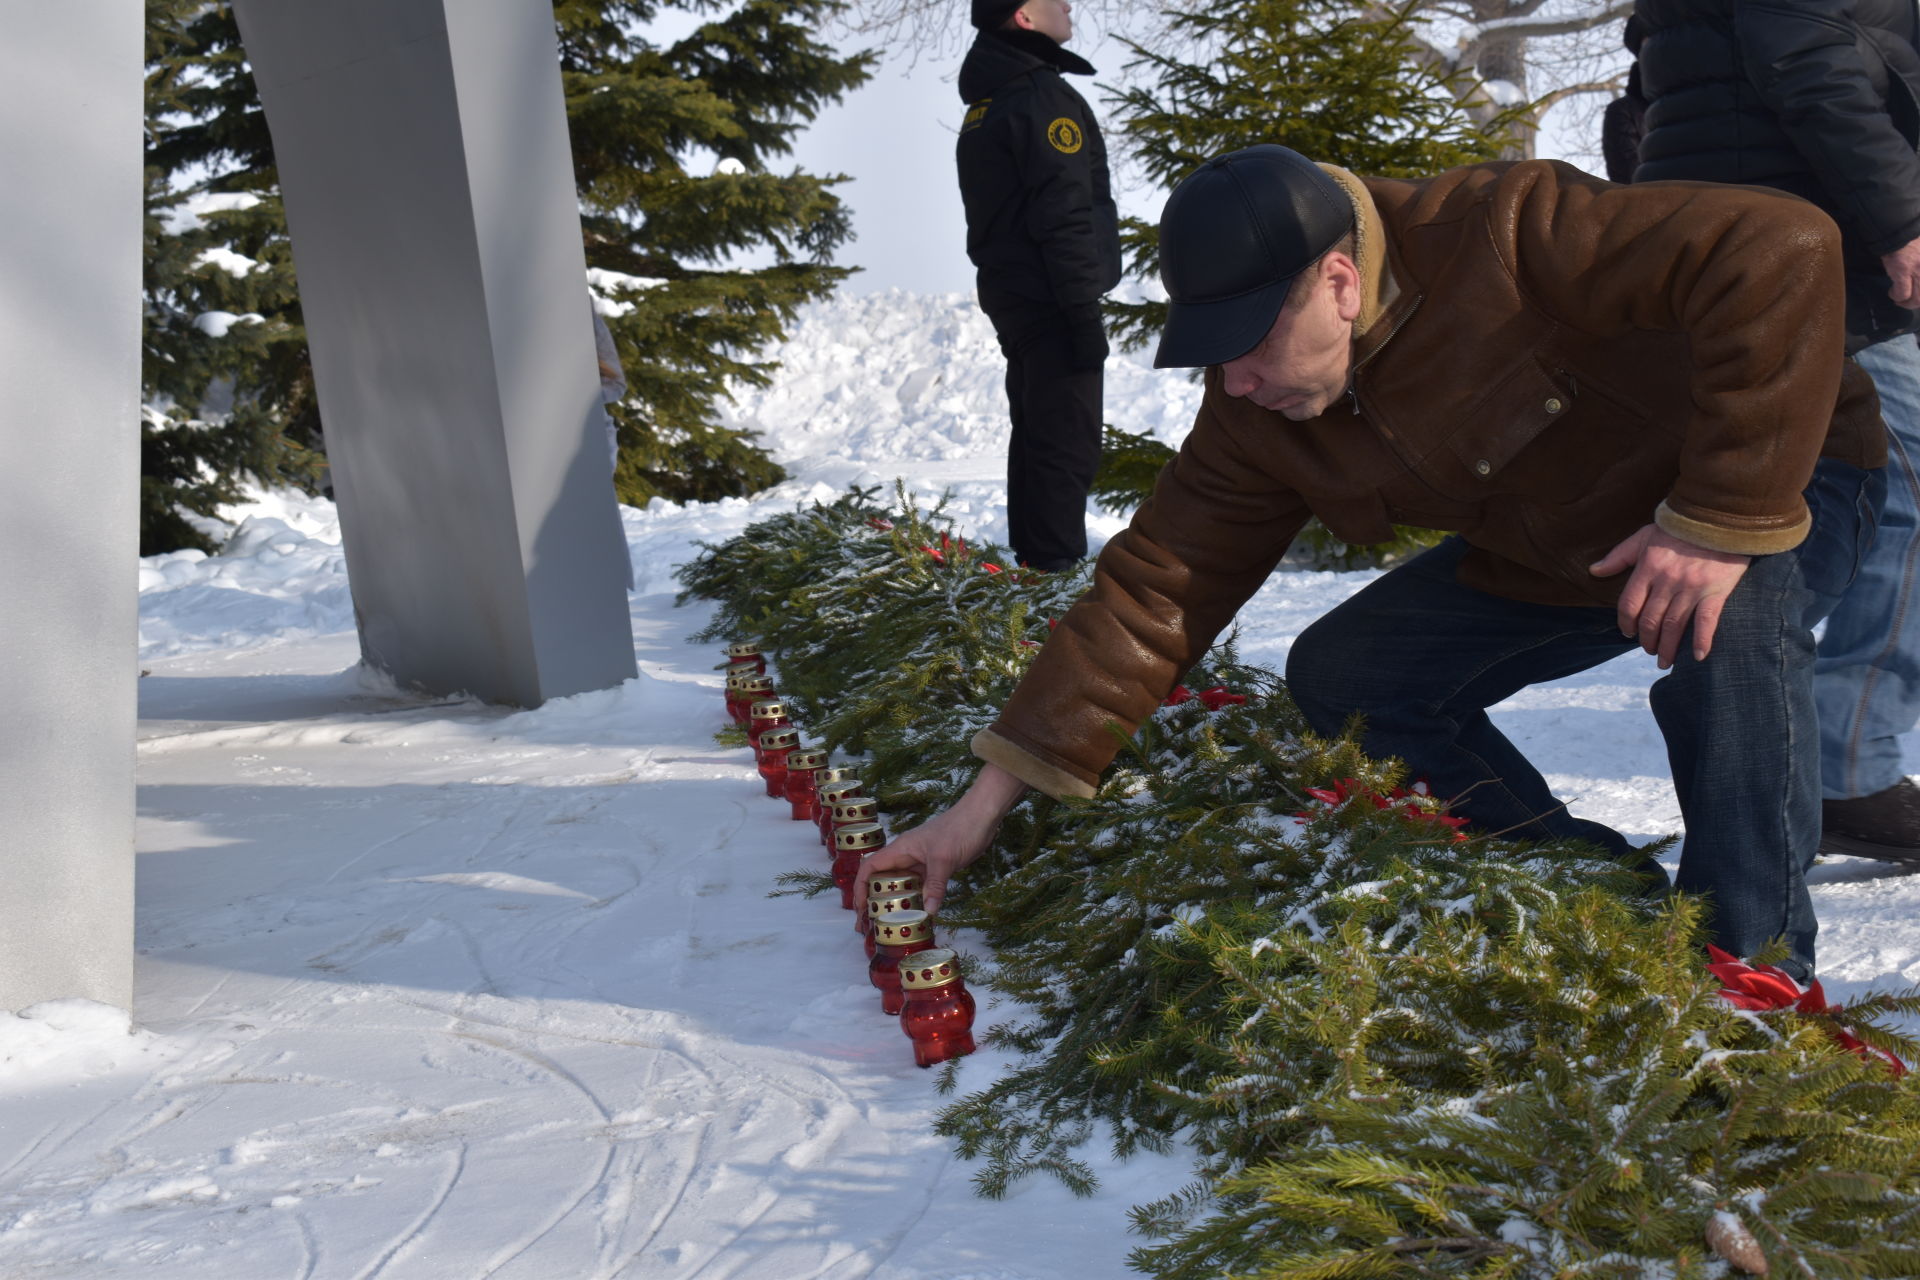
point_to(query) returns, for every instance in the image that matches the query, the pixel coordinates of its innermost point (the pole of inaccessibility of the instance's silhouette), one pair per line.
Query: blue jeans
(1422, 657)
(1866, 677)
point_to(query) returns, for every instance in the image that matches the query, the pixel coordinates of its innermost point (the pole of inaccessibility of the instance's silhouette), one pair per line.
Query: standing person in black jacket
(1822, 98)
(1044, 235)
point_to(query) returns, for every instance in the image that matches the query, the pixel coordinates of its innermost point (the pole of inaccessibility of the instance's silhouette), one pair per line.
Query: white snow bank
(59, 1041)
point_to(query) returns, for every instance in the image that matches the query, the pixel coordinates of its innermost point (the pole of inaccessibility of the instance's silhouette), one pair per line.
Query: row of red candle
(926, 992)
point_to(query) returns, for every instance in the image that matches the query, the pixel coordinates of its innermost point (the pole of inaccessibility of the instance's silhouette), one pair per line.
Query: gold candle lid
(775, 739)
(806, 760)
(736, 680)
(829, 792)
(900, 928)
(855, 809)
(925, 970)
(743, 667)
(769, 709)
(757, 684)
(743, 649)
(889, 884)
(841, 774)
(878, 906)
(859, 837)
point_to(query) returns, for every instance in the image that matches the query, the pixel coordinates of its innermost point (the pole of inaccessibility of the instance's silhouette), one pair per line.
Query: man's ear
(1021, 19)
(1343, 275)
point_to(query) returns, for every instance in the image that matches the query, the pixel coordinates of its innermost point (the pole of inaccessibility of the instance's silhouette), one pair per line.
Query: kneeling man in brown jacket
(1630, 407)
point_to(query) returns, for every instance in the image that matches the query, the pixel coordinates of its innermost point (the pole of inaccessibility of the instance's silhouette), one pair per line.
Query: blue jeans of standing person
(1866, 678)
(1422, 657)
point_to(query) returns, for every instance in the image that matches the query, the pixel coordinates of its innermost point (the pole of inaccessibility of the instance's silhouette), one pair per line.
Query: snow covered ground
(437, 990)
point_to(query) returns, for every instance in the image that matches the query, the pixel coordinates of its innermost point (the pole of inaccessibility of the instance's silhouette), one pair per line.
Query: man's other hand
(1674, 582)
(1903, 267)
(941, 846)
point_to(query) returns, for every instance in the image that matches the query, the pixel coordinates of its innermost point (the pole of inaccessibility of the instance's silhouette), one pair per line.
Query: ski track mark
(310, 1252)
(421, 1223)
(374, 848)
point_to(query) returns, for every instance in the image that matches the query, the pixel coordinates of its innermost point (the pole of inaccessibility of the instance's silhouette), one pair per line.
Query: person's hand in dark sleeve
(1086, 336)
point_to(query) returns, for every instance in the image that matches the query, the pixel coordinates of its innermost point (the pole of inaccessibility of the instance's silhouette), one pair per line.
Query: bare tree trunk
(1502, 62)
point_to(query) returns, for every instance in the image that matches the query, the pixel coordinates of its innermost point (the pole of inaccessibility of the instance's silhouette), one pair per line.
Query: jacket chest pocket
(1483, 453)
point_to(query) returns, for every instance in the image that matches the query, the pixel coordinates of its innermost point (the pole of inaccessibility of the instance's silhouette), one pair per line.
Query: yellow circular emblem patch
(1065, 135)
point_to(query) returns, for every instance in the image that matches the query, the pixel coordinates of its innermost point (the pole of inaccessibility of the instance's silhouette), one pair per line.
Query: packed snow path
(436, 991)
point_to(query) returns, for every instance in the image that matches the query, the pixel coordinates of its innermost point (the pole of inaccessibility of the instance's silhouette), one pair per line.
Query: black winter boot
(1884, 825)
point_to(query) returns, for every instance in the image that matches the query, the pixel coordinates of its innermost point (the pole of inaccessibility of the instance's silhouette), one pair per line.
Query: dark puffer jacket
(1817, 97)
(1041, 224)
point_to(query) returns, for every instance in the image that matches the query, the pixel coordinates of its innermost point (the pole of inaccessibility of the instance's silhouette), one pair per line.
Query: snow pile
(281, 574)
(898, 378)
(60, 1041)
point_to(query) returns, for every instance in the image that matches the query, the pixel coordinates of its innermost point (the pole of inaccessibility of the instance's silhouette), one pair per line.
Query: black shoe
(1884, 826)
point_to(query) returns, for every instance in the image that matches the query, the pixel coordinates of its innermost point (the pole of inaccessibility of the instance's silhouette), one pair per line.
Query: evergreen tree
(1338, 82)
(1335, 81)
(227, 377)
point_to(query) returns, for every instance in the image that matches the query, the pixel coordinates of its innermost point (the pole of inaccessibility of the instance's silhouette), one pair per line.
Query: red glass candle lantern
(829, 793)
(775, 746)
(883, 885)
(767, 713)
(899, 934)
(852, 842)
(937, 1014)
(850, 809)
(877, 907)
(801, 766)
(751, 690)
(748, 651)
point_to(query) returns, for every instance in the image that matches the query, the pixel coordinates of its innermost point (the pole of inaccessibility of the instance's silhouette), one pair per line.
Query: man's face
(1301, 366)
(1052, 18)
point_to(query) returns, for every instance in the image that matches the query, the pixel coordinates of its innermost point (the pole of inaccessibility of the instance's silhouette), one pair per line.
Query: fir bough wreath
(1394, 1049)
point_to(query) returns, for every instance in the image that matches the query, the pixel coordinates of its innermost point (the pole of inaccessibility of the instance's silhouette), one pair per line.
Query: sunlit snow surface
(433, 989)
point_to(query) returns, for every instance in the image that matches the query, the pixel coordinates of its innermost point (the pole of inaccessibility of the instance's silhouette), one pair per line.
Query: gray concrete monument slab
(423, 156)
(70, 208)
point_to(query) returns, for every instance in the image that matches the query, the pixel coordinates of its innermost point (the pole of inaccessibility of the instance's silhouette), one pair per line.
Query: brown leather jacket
(1544, 363)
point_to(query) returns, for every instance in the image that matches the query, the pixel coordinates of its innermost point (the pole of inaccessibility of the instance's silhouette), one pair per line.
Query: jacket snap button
(1554, 405)
(1483, 467)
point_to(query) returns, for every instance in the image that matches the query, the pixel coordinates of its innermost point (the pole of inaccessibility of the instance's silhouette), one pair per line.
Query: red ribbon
(1765, 987)
(1218, 697)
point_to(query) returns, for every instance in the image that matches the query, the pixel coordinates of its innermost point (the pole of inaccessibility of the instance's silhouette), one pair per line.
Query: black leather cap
(988, 14)
(1234, 234)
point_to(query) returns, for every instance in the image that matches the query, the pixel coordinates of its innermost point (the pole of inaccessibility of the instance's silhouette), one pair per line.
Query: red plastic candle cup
(747, 651)
(801, 766)
(775, 745)
(829, 793)
(877, 907)
(938, 1011)
(765, 714)
(851, 843)
(752, 689)
(900, 934)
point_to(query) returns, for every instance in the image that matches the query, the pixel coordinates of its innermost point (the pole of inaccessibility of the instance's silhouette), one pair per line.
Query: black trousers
(1055, 448)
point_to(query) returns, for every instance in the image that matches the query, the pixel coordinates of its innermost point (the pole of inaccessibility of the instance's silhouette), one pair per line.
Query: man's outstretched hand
(948, 841)
(1903, 269)
(1674, 582)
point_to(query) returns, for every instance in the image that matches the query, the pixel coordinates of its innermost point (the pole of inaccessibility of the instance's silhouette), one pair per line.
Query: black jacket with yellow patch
(1041, 224)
